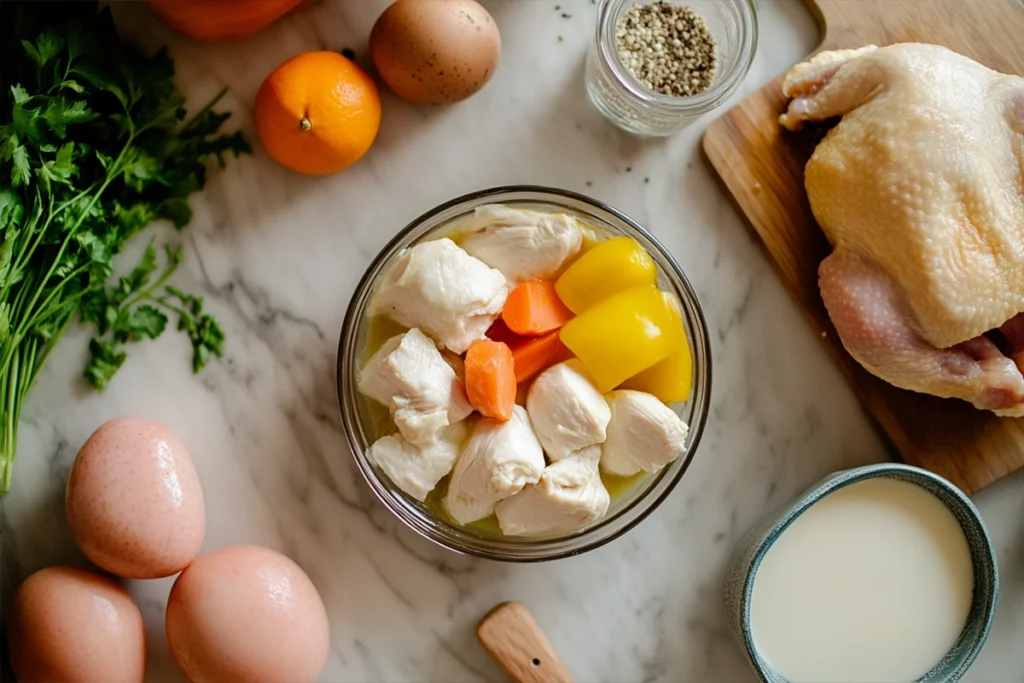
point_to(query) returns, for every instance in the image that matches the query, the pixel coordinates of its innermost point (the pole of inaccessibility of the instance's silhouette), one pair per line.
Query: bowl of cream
(884, 573)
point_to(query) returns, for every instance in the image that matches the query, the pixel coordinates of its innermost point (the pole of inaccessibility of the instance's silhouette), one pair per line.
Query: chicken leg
(874, 322)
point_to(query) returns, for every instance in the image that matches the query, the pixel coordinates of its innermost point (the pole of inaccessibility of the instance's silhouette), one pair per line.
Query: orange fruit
(317, 113)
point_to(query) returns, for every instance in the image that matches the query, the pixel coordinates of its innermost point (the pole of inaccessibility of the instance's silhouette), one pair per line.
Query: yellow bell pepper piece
(668, 380)
(624, 335)
(612, 266)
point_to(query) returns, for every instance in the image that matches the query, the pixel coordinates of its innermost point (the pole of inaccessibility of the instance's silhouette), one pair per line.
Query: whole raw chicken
(920, 189)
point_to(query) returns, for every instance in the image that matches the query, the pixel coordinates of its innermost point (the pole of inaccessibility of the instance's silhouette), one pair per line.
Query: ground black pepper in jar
(667, 47)
(616, 88)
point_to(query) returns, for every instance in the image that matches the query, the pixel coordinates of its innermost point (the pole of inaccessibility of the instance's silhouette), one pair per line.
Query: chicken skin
(920, 190)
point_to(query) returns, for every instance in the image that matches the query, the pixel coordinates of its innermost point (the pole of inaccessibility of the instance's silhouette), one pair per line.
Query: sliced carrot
(533, 308)
(539, 354)
(498, 331)
(491, 379)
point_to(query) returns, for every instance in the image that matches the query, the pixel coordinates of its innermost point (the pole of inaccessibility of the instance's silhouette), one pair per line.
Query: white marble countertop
(278, 255)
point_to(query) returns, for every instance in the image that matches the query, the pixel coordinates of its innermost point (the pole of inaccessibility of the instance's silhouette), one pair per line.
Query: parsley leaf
(131, 310)
(144, 321)
(106, 360)
(175, 210)
(19, 94)
(21, 172)
(203, 331)
(59, 114)
(47, 46)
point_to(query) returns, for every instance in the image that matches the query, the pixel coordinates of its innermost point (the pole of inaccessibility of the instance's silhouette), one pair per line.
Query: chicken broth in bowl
(524, 371)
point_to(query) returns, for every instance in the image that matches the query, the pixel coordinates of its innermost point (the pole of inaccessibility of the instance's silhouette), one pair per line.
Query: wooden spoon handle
(512, 637)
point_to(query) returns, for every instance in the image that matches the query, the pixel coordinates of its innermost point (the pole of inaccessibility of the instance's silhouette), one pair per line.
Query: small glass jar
(634, 107)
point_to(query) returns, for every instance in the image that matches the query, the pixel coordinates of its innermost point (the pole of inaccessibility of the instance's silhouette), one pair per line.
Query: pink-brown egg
(134, 501)
(69, 625)
(246, 614)
(435, 51)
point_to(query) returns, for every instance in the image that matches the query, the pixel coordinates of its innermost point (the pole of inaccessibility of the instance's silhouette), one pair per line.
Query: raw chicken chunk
(417, 470)
(567, 411)
(498, 460)
(523, 245)
(568, 496)
(920, 189)
(644, 434)
(409, 376)
(444, 291)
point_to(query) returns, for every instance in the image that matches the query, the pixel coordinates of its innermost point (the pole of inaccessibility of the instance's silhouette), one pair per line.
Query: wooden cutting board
(762, 166)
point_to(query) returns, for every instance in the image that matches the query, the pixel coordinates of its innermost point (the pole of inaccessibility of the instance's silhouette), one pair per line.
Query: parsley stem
(148, 292)
(210, 105)
(42, 312)
(24, 257)
(12, 341)
(74, 229)
(162, 300)
(11, 408)
(29, 372)
(41, 359)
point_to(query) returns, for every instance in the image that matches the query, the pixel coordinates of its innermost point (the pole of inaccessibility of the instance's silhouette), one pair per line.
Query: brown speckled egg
(246, 614)
(435, 51)
(134, 501)
(75, 626)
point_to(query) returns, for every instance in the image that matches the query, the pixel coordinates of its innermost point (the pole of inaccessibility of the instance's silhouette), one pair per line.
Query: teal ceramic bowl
(753, 546)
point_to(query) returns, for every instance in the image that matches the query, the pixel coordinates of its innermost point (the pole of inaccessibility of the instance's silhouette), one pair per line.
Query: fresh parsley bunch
(94, 146)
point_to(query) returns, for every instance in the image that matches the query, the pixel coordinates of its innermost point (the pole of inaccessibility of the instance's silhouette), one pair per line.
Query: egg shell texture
(134, 502)
(246, 614)
(69, 625)
(435, 51)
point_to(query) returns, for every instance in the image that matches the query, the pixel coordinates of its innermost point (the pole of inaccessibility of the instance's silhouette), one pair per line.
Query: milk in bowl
(883, 573)
(873, 583)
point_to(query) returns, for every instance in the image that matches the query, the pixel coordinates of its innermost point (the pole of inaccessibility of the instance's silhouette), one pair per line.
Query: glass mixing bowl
(630, 505)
